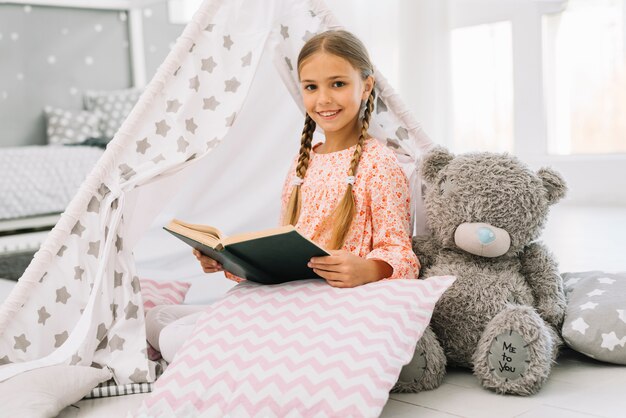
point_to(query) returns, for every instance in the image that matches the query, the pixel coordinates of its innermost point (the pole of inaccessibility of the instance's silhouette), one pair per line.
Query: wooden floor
(582, 238)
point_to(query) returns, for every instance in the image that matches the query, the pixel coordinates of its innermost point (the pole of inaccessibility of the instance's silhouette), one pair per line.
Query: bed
(41, 180)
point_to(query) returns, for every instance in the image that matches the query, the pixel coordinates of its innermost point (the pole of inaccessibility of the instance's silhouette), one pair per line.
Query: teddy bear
(485, 212)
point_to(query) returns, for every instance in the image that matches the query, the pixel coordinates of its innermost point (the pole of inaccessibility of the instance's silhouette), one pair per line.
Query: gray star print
(307, 35)
(173, 106)
(131, 310)
(78, 273)
(161, 128)
(177, 70)
(212, 143)
(182, 144)
(113, 308)
(210, 103)
(61, 250)
(208, 64)
(138, 376)
(190, 125)
(228, 42)
(103, 190)
(43, 315)
(116, 343)
(209, 27)
(136, 285)
(60, 339)
(114, 204)
(119, 243)
(117, 279)
(103, 344)
(62, 295)
(94, 248)
(126, 171)
(245, 61)
(380, 106)
(94, 205)
(43, 277)
(231, 119)
(232, 85)
(158, 159)
(143, 145)
(21, 343)
(288, 61)
(5, 360)
(192, 47)
(402, 133)
(102, 331)
(75, 360)
(284, 31)
(194, 83)
(78, 229)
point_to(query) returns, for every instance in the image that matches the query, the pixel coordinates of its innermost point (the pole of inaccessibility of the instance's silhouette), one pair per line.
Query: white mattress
(37, 180)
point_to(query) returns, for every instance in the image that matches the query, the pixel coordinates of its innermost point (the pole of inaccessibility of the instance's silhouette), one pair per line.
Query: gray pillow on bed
(70, 126)
(112, 106)
(595, 318)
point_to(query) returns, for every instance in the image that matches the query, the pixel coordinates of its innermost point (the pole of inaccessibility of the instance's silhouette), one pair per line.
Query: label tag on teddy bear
(508, 355)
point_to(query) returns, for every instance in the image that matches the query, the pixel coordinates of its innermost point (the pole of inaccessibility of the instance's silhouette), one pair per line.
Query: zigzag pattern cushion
(162, 293)
(298, 349)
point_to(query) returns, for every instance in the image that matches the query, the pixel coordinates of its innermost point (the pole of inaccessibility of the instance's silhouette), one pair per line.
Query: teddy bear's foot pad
(508, 356)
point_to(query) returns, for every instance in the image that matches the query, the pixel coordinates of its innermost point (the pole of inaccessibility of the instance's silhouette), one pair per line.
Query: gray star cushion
(595, 319)
(70, 126)
(112, 106)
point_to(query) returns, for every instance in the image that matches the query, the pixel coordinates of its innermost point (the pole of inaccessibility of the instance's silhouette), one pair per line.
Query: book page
(206, 234)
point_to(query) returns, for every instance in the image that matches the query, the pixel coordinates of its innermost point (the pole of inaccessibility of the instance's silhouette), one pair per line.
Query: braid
(344, 213)
(292, 212)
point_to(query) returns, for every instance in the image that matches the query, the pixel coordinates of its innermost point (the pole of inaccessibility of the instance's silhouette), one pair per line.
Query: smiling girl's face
(333, 91)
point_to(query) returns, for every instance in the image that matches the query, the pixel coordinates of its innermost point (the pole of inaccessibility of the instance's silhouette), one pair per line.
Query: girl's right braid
(305, 146)
(293, 207)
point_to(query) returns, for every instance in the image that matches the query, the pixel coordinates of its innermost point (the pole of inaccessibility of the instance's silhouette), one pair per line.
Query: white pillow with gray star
(595, 318)
(112, 106)
(70, 126)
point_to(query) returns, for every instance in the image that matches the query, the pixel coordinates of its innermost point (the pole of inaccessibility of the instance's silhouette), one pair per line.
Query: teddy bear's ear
(434, 161)
(554, 184)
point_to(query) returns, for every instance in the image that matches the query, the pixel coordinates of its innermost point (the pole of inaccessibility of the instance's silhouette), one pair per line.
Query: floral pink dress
(381, 227)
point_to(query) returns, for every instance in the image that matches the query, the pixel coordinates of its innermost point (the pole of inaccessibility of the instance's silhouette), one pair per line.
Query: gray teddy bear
(501, 315)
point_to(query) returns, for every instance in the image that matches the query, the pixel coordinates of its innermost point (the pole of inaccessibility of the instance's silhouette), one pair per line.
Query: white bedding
(38, 180)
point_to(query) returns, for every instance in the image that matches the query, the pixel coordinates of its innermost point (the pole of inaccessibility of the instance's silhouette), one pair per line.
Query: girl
(347, 194)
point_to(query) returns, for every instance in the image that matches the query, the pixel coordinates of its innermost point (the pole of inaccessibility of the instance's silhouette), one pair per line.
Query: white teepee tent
(79, 301)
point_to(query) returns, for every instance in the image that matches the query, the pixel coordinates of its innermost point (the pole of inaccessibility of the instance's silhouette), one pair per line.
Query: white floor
(582, 239)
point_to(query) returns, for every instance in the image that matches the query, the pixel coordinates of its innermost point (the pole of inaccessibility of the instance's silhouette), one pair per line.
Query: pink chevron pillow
(301, 348)
(162, 293)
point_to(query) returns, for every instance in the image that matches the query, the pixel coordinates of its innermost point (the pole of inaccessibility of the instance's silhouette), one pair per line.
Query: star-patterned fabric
(595, 319)
(79, 302)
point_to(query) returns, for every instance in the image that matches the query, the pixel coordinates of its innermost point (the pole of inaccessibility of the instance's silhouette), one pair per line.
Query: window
(585, 78)
(482, 87)
(181, 11)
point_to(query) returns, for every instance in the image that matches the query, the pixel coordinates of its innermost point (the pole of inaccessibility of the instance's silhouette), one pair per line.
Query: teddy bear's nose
(485, 235)
(482, 239)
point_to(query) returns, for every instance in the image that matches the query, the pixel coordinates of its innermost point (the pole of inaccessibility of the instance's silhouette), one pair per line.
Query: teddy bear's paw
(508, 356)
(427, 368)
(514, 354)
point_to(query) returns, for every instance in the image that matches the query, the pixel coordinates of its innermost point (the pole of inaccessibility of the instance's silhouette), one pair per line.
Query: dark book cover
(270, 259)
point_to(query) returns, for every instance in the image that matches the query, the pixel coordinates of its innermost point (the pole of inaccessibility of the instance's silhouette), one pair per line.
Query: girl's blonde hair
(344, 45)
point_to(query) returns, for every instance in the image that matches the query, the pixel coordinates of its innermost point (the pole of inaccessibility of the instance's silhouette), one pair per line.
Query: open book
(271, 256)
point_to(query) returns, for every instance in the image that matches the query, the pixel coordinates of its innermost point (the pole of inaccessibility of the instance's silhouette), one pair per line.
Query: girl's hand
(208, 264)
(344, 269)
